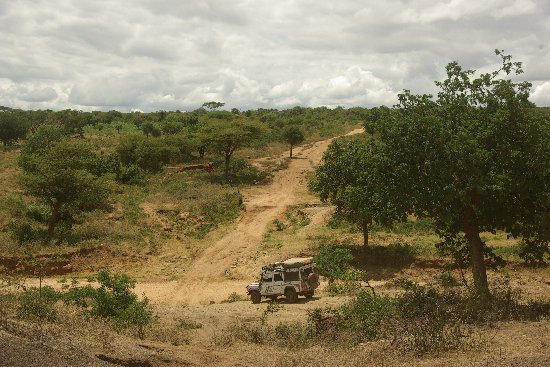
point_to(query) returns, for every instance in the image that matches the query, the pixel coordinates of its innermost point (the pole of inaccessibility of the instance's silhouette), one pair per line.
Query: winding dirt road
(209, 279)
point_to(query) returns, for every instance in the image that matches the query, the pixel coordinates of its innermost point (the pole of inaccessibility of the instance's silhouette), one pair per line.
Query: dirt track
(209, 279)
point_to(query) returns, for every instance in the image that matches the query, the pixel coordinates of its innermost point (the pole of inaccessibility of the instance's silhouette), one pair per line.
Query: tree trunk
(365, 228)
(227, 160)
(477, 260)
(52, 221)
(290, 150)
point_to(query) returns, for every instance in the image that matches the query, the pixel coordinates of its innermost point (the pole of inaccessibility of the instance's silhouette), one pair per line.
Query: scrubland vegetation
(432, 226)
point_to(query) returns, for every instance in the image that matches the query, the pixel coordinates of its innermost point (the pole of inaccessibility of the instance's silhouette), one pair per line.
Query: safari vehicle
(291, 278)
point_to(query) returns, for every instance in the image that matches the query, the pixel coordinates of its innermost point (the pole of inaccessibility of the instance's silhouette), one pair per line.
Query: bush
(113, 299)
(150, 154)
(332, 261)
(350, 281)
(38, 304)
(423, 319)
(240, 173)
(234, 297)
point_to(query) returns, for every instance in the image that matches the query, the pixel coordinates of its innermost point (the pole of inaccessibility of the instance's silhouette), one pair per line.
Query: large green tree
(357, 177)
(474, 158)
(224, 137)
(63, 174)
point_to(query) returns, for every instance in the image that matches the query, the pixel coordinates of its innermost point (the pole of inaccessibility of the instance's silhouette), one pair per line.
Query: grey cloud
(39, 95)
(171, 54)
(113, 90)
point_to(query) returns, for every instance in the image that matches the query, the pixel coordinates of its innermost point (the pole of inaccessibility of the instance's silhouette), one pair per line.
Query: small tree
(63, 175)
(213, 105)
(357, 178)
(225, 136)
(149, 129)
(293, 136)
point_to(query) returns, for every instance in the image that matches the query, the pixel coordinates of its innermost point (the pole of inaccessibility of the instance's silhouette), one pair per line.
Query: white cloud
(541, 94)
(171, 54)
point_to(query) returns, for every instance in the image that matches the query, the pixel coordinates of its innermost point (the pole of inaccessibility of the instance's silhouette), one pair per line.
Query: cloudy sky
(176, 54)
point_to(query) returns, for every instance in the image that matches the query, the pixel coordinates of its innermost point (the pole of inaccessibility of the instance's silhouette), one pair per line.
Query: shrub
(332, 261)
(350, 281)
(113, 299)
(150, 154)
(423, 319)
(297, 218)
(234, 297)
(38, 304)
(240, 172)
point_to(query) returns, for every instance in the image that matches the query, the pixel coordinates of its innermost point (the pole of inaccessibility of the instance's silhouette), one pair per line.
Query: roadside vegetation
(83, 179)
(428, 227)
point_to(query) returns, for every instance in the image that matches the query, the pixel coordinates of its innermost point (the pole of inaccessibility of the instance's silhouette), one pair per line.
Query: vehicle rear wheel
(273, 298)
(291, 295)
(255, 297)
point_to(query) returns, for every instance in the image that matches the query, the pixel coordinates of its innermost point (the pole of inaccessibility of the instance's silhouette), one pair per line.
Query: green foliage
(151, 130)
(149, 154)
(131, 174)
(61, 174)
(360, 181)
(422, 319)
(213, 105)
(223, 137)
(350, 281)
(293, 135)
(297, 218)
(240, 172)
(113, 299)
(12, 126)
(534, 252)
(24, 231)
(38, 304)
(474, 158)
(456, 247)
(222, 209)
(332, 261)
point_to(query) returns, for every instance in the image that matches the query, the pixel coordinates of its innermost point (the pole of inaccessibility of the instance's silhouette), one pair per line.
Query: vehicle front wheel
(291, 295)
(255, 297)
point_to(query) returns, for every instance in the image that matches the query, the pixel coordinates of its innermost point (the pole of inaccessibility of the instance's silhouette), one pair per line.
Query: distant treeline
(15, 124)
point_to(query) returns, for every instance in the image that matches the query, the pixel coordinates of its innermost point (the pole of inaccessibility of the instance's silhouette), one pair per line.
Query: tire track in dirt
(205, 280)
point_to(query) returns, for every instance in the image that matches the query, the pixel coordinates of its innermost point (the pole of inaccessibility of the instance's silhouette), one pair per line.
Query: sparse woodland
(430, 227)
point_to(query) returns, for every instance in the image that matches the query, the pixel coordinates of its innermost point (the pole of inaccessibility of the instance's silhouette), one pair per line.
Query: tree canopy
(474, 158)
(225, 136)
(358, 179)
(293, 135)
(12, 126)
(62, 174)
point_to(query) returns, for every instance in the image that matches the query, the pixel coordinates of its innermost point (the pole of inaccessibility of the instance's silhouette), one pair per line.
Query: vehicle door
(278, 282)
(266, 284)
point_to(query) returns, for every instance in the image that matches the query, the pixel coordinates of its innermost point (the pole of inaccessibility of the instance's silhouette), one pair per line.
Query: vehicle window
(266, 278)
(291, 276)
(278, 277)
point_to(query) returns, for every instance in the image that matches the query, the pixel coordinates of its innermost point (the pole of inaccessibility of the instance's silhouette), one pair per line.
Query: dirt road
(225, 265)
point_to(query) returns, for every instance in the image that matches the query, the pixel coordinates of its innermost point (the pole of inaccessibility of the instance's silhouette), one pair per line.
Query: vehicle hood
(253, 286)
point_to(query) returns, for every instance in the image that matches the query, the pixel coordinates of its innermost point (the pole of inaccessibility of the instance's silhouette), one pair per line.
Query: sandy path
(206, 280)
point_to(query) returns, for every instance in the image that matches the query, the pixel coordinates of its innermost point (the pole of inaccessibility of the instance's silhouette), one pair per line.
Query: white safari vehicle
(291, 278)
